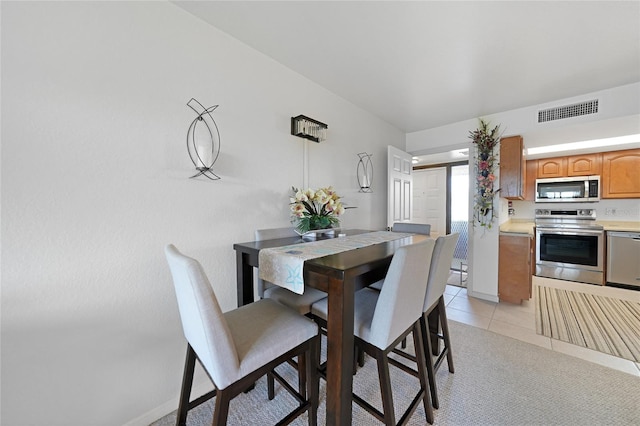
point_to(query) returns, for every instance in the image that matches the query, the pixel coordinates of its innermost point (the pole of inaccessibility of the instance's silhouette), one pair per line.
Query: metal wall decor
(364, 172)
(308, 128)
(203, 140)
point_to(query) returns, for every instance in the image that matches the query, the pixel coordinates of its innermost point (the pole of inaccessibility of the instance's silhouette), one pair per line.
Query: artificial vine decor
(486, 162)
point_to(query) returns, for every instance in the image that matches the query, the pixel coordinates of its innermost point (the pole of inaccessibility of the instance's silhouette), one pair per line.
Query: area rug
(604, 324)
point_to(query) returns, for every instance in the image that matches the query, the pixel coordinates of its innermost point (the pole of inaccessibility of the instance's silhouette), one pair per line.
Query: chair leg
(313, 380)
(271, 388)
(221, 410)
(385, 389)
(427, 349)
(445, 333)
(423, 370)
(302, 376)
(187, 382)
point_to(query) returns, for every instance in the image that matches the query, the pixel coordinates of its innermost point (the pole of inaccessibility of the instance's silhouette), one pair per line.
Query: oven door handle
(573, 231)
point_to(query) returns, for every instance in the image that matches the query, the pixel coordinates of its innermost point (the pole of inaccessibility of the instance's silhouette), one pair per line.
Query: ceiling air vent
(568, 111)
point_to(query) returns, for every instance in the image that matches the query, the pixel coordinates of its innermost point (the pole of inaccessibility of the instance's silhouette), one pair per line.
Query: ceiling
(424, 64)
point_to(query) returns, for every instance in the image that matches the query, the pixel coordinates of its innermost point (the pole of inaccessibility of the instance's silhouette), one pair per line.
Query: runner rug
(604, 324)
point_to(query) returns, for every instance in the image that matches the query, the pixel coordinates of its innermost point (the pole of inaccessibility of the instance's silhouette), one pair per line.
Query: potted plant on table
(314, 210)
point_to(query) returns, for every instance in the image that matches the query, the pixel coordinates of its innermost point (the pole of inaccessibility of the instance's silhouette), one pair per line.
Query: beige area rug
(604, 324)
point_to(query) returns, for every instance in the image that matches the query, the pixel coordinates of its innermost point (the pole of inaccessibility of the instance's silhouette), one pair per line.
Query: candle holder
(364, 172)
(203, 140)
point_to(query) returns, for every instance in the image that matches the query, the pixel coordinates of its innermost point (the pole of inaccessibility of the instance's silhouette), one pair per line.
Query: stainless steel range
(569, 245)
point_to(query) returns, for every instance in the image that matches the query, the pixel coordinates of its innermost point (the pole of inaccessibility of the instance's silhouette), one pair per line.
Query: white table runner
(283, 266)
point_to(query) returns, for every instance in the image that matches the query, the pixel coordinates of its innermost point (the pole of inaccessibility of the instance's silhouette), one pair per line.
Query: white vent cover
(568, 111)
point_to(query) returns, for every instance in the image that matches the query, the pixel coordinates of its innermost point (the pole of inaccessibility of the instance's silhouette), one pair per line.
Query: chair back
(270, 234)
(416, 228)
(399, 304)
(440, 267)
(203, 322)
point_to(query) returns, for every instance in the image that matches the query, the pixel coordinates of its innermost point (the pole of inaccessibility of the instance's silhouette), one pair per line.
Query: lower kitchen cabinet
(515, 262)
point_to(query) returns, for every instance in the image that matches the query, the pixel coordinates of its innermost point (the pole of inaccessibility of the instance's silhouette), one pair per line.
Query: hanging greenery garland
(486, 161)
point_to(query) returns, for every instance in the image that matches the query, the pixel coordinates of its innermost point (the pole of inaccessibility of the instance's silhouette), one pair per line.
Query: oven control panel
(582, 214)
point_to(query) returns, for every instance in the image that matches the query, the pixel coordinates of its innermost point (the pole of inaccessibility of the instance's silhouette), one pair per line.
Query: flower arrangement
(485, 162)
(312, 210)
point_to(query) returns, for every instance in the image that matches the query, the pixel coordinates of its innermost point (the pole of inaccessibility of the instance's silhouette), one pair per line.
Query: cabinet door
(552, 167)
(514, 267)
(512, 168)
(621, 174)
(530, 180)
(584, 165)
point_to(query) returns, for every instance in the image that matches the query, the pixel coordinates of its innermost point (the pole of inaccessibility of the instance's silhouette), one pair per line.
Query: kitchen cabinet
(584, 165)
(512, 168)
(621, 174)
(530, 181)
(515, 262)
(552, 167)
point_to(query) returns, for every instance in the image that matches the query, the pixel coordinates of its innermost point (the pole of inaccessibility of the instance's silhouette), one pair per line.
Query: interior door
(430, 198)
(399, 186)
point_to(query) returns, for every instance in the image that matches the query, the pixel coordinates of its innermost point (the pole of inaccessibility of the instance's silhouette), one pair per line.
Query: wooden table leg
(244, 276)
(340, 351)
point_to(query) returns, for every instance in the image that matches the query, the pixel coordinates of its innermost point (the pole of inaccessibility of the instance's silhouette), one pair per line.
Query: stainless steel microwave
(568, 189)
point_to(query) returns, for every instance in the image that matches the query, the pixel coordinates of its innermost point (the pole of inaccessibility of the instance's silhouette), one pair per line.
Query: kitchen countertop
(526, 226)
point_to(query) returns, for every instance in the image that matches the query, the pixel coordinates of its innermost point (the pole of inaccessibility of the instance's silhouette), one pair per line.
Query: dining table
(339, 275)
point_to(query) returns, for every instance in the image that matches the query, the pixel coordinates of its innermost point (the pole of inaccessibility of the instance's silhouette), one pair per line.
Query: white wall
(95, 183)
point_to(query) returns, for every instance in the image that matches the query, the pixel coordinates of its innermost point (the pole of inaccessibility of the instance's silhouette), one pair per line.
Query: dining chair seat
(300, 302)
(238, 347)
(383, 318)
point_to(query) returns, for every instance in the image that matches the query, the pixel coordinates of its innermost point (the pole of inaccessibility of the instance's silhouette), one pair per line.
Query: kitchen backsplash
(627, 210)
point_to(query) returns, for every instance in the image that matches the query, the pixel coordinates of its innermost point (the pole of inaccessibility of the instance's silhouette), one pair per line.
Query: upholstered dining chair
(238, 347)
(436, 285)
(434, 298)
(383, 318)
(416, 228)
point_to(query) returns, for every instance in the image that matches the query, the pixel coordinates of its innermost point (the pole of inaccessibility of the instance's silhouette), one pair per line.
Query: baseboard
(483, 296)
(159, 412)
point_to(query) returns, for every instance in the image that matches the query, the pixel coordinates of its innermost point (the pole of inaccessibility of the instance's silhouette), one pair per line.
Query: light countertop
(524, 226)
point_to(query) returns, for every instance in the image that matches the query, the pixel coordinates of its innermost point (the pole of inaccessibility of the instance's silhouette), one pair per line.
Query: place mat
(283, 266)
(604, 324)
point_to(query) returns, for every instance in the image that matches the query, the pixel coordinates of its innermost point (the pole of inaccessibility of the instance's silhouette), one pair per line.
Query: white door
(399, 186)
(430, 198)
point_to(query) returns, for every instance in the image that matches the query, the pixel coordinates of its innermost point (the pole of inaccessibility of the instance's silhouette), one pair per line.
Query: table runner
(283, 266)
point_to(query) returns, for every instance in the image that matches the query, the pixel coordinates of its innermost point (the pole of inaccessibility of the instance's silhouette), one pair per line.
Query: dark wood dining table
(339, 275)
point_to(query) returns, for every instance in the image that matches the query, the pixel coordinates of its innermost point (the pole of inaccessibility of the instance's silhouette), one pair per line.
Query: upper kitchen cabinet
(621, 174)
(512, 168)
(552, 167)
(584, 165)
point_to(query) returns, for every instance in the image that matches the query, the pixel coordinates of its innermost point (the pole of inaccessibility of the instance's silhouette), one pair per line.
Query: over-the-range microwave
(568, 189)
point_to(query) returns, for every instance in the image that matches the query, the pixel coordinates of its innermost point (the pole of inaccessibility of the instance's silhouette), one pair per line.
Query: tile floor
(518, 321)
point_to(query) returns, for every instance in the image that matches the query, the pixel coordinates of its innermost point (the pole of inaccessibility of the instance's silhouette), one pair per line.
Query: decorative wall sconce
(203, 140)
(364, 172)
(308, 128)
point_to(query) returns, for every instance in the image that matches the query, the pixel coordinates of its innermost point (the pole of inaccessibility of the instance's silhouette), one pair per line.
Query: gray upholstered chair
(416, 228)
(383, 318)
(430, 327)
(238, 347)
(436, 285)
(300, 302)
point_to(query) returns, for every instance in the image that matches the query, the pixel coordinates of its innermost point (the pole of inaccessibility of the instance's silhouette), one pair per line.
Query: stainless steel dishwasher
(623, 258)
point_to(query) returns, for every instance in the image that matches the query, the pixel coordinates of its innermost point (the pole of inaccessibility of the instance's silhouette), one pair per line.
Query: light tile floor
(518, 321)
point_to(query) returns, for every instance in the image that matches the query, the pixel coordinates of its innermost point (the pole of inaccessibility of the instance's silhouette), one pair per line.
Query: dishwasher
(623, 258)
